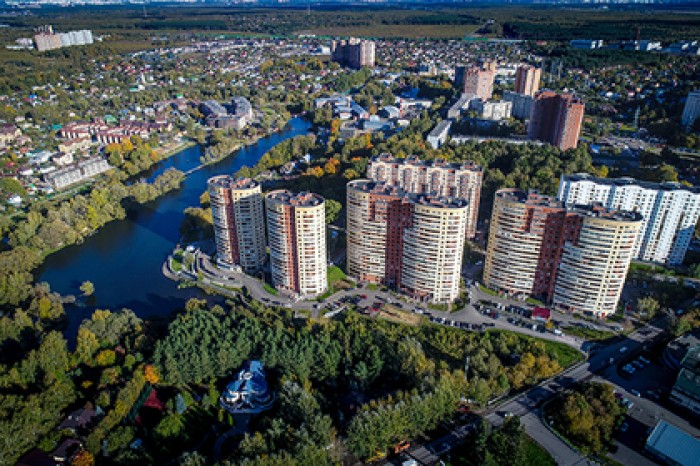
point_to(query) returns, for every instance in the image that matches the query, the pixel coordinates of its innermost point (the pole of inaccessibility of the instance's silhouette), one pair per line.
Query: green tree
(88, 288)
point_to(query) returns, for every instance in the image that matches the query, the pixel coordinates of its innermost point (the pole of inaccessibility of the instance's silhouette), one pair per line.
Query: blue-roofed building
(248, 393)
(673, 446)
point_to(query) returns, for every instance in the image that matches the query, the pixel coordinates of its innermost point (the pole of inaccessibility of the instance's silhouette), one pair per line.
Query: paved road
(213, 275)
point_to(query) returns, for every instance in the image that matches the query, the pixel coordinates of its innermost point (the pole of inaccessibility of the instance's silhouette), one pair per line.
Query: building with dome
(248, 393)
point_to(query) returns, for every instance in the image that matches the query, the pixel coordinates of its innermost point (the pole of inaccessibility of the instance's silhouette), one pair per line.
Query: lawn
(563, 353)
(487, 291)
(270, 289)
(535, 455)
(588, 334)
(335, 274)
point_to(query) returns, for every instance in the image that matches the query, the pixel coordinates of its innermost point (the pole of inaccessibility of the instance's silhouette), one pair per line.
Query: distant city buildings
(80, 171)
(586, 44)
(670, 211)
(576, 258)
(353, 53)
(691, 111)
(556, 119)
(47, 39)
(438, 178)
(527, 80)
(410, 242)
(477, 80)
(296, 228)
(239, 225)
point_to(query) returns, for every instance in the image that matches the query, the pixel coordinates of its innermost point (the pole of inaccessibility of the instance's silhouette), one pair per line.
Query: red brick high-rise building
(527, 80)
(556, 119)
(574, 257)
(410, 242)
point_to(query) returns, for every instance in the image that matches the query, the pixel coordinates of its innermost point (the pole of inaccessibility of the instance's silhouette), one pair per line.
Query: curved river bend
(124, 258)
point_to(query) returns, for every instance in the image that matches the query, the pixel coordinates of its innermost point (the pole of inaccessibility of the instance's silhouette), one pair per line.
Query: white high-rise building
(691, 111)
(669, 211)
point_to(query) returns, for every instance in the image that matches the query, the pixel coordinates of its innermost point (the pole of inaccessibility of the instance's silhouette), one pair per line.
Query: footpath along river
(124, 259)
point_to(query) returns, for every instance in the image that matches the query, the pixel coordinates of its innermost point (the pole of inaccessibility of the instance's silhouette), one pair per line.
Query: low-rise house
(77, 172)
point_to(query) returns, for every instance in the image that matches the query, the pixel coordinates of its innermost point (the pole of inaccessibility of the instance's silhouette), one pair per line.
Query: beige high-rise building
(593, 268)
(410, 242)
(296, 229)
(432, 249)
(576, 258)
(239, 224)
(527, 80)
(439, 178)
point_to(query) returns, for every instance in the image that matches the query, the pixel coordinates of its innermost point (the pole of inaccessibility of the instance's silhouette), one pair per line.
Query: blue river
(124, 258)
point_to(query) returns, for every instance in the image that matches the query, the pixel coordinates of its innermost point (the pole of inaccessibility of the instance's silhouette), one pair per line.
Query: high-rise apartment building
(476, 80)
(577, 258)
(296, 230)
(410, 242)
(691, 111)
(670, 211)
(353, 53)
(239, 225)
(594, 264)
(556, 119)
(440, 178)
(527, 80)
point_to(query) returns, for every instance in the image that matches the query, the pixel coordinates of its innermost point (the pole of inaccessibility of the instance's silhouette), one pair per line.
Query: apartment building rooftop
(302, 199)
(226, 181)
(535, 199)
(381, 188)
(415, 161)
(626, 181)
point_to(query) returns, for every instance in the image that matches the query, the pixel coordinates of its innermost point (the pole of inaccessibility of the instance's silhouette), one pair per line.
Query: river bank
(124, 259)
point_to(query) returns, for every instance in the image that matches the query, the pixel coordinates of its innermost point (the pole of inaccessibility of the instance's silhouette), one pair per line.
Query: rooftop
(381, 188)
(226, 181)
(535, 199)
(302, 199)
(673, 444)
(666, 186)
(415, 161)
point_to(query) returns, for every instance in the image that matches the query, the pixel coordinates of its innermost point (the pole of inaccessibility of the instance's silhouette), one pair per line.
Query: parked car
(635, 392)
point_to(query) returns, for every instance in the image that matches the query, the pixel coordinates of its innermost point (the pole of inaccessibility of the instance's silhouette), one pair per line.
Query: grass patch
(438, 307)
(176, 264)
(372, 286)
(534, 302)
(535, 455)
(487, 291)
(270, 289)
(335, 274)
(564, 354)
(588, 333)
